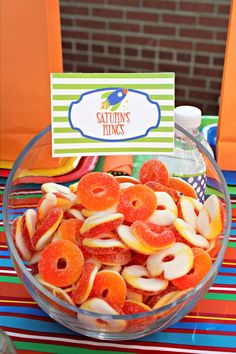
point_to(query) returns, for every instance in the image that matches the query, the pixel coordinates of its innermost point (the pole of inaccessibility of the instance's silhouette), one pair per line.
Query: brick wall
(185, 36)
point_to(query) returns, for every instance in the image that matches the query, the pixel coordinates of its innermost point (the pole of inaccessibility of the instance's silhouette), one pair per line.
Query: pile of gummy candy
(119, 245)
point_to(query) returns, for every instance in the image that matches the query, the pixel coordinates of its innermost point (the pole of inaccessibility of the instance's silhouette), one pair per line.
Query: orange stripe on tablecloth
(230, 254)
(2, 237)
(211, 306)
(13, 290)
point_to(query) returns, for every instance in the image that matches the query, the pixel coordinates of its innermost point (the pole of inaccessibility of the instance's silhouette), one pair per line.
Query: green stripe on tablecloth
(220, 296)
(1, 228)
(58, 349)
(27, 196)
(7, 279)
(113, 76)
(232, 245)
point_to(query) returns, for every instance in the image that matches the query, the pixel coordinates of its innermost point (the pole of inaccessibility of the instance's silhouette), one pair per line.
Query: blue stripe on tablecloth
(219, 341)
(4, 253)
(34, 325)
(6, 263)
(228, 270)
(223, 279)
(23, 310)
(206, 326)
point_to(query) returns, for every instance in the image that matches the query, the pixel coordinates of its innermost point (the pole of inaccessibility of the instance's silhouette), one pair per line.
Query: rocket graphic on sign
(113, 99)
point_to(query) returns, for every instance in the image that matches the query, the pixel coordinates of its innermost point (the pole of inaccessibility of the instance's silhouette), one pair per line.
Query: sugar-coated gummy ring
(61, 263)
(209, 220)
(98, 191)
(104, 243)
(173, 262)
(131, 307)
(111, 286)
(155, 236)
(46, 229)
(181, 186)
(153, 170)
(100, 222)
(201, 265)
(158, 187)
(69, 230)
(119, 257)
(137, 203)
(100, 305)
(85, 282)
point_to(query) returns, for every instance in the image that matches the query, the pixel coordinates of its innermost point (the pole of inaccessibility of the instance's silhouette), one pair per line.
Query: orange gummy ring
(98, 191)
(61, 263)
(156, 236)
(104, 243)
(111, 286)
(158, 187)
(182, 187)
(85, 283)
(119, 257)
(69, 230)
(201, 265)
(131, 307)
(137, 202)
(153, 170)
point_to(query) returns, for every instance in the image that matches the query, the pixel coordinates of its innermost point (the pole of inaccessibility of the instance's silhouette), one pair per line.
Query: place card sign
(112, 114)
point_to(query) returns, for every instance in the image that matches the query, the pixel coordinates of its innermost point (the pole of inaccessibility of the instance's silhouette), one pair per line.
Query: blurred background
(187, 37)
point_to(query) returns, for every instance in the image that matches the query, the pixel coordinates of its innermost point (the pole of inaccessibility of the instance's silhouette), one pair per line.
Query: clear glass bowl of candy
(114, 257)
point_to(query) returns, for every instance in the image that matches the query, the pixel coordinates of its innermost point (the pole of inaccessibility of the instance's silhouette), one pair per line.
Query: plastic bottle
(187, 162)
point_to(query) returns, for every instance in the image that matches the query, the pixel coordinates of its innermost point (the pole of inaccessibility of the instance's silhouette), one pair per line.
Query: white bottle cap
(188, 117)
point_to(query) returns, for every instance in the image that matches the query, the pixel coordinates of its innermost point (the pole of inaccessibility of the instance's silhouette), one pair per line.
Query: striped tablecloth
(209, 328)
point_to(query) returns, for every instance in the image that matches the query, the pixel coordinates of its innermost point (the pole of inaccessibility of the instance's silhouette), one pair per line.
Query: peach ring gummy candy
(181, 186)
(137, 203)
(98, 191)
(61, 263)
(120, 257)
(101, 222)
(131, 307)
(155, 236)
(104, 243)
(158, 187)
(69, 230)
(101, 306)
(153, 170)
(85, 282)
(110, 286)
(45, 231)
(201, 266)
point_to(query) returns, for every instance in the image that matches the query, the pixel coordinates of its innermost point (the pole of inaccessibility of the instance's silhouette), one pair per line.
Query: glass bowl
(23, 193)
